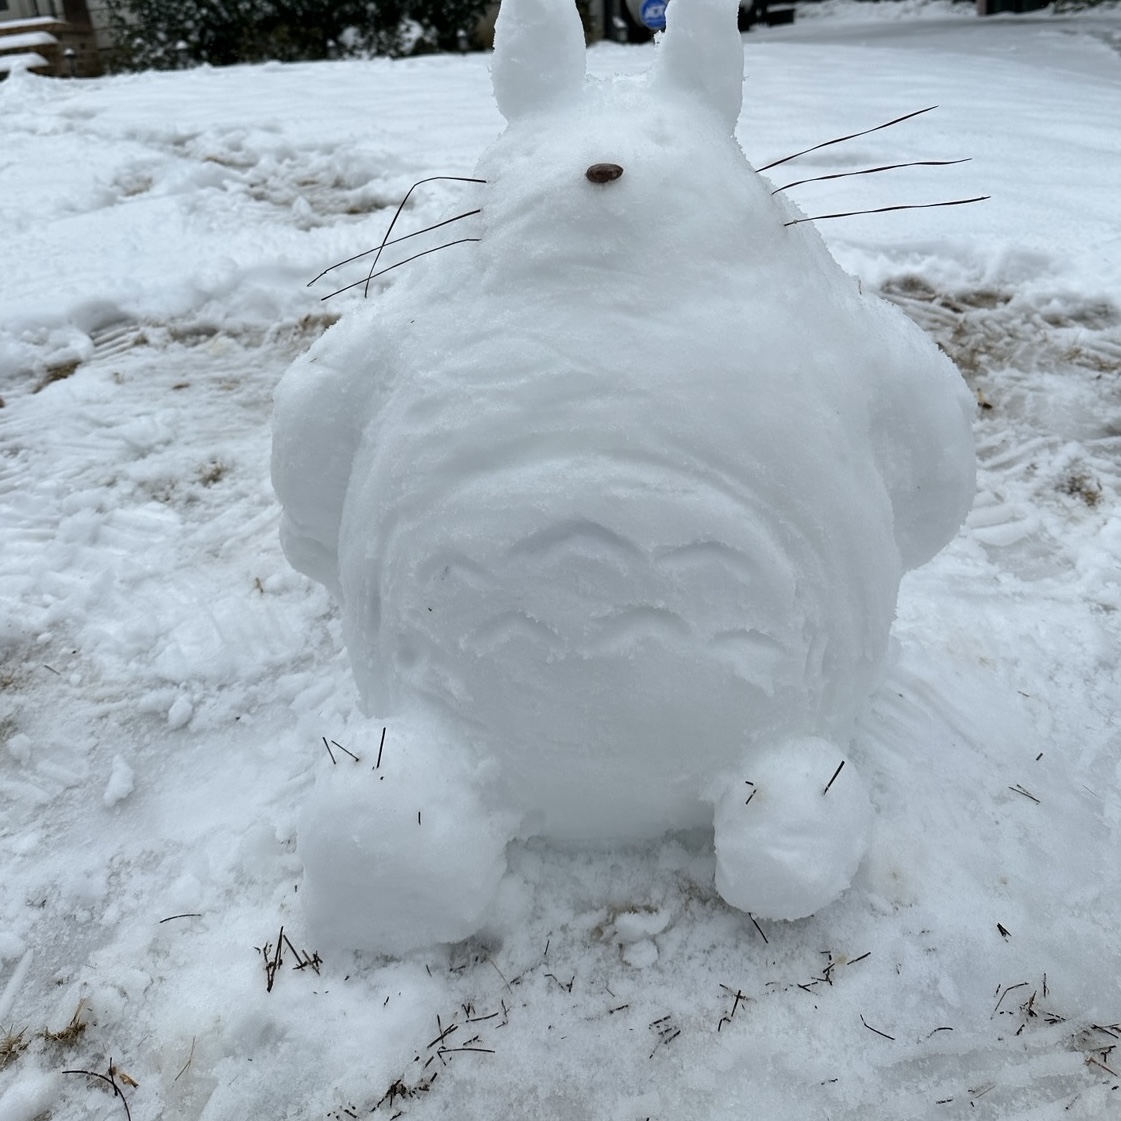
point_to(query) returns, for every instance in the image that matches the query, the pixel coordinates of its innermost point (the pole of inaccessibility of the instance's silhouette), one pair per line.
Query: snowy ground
(165, 678)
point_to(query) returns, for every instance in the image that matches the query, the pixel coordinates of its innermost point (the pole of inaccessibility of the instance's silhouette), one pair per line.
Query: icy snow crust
(619, 497)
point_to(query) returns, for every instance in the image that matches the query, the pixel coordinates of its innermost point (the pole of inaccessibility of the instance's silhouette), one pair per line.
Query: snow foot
(401, 854)
(791, 830)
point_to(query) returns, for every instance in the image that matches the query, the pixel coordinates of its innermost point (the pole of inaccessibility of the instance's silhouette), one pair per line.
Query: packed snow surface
(167, 681)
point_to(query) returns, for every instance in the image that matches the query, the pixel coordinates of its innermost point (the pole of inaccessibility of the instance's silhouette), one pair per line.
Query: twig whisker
(366, 282)
(395, 241)
(851, 136)
(870, 171)
(401, 206)
(885, 209)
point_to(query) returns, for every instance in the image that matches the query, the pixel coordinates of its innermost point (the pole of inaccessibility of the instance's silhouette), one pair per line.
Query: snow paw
(791, 832)
(401, 853)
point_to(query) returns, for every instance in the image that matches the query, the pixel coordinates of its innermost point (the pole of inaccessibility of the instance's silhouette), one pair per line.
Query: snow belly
(612, 626)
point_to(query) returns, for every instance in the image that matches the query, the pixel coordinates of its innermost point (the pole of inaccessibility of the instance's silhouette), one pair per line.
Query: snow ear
(538, 55)
(701, 53)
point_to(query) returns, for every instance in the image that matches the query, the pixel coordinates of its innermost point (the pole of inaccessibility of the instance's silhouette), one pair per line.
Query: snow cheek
(539, 206)
(786, 846)
(544, 210)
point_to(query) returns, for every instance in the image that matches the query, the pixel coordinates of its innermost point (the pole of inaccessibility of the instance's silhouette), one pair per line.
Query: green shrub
(164, 34)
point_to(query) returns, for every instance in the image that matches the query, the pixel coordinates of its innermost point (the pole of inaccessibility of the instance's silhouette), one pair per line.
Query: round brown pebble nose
(603, 172)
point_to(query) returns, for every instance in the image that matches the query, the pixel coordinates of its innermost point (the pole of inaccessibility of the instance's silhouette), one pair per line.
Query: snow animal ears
(701, 55)
(539, 56)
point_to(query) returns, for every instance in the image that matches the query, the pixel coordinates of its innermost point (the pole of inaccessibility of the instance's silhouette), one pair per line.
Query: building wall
(76, 45)
(31, 9)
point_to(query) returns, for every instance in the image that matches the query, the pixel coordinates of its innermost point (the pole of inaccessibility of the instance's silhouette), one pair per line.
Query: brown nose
(603, 172)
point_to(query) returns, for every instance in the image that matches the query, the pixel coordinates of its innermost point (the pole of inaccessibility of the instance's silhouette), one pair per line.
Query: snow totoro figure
(615, 502)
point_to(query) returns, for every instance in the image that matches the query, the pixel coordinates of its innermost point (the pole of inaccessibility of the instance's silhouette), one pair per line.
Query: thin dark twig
(273, 962)
(729, 1017)
(1007, 990)
(869, 171)
(305, 959)
(851, 136)
(395, 241)
(341, 748)
(94, 1074)
(187, 915)
(397, 214)
(381, 747)
(117, 1091)
(876, 1030)
(885, 209)
(390, 268)
(833, 779)
(490, 961)
(190, 1059)
(330, 752)
(444, 1032)
(756, 925)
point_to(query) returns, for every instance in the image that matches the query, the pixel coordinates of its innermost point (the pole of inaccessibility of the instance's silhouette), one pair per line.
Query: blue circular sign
(653, 14)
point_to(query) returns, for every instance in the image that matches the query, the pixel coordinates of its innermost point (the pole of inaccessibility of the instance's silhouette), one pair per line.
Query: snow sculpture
(616, 503)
